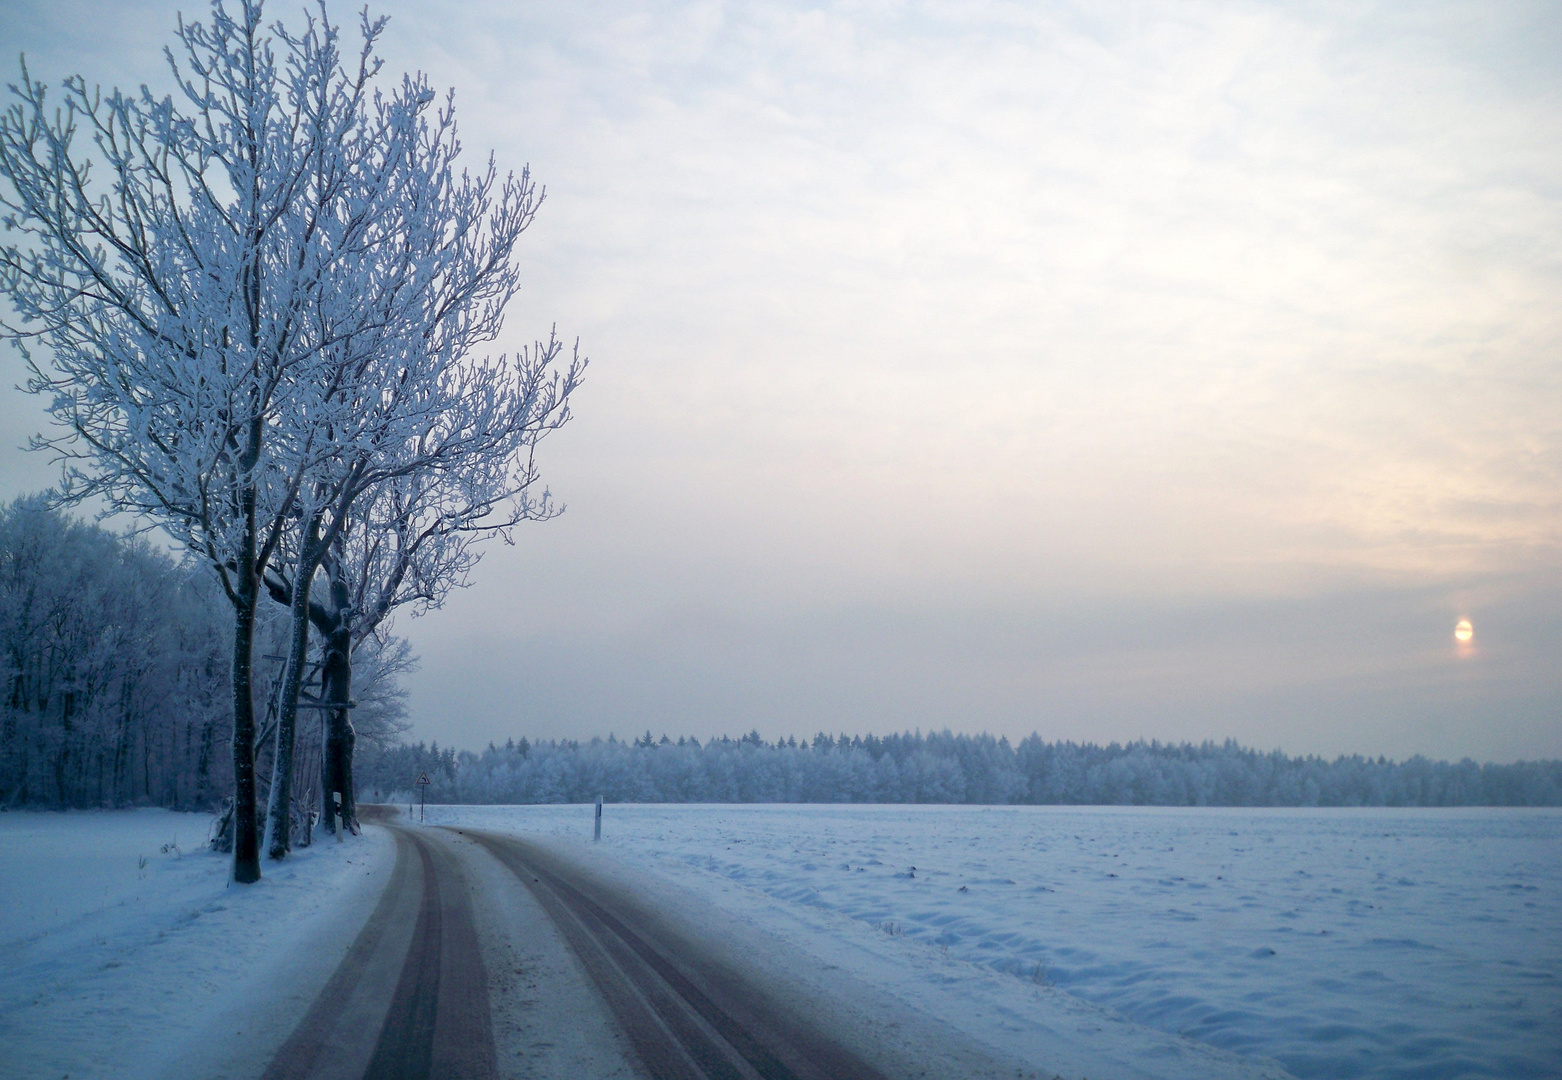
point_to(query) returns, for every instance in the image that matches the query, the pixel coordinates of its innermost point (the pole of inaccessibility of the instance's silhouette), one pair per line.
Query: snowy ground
(124, 952)
(1376, 944)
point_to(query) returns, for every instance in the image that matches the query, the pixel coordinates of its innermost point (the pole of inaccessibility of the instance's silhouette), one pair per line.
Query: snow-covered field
(1374, 944)
(125, 953)
(1342, 943)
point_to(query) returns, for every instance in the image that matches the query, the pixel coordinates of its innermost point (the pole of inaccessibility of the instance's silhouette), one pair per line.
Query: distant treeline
(114, 662)
(943, 768)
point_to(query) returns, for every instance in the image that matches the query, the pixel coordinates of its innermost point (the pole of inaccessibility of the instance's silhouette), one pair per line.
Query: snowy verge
(126, 952)
(876, 987)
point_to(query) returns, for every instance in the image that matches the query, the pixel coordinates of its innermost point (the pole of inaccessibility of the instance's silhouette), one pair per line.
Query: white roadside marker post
(597, 835)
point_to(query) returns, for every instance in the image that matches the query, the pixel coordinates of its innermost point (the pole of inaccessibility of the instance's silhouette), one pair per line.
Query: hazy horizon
(1174, 372)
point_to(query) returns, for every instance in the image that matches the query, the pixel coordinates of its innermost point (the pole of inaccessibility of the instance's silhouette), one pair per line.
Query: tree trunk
(336, 679)
(203, 764)
(278, 834)
(337, 757)
(246, 845)
(327, 806)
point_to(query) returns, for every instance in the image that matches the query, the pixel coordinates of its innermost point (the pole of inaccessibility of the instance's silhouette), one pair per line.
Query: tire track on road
(688, 1016)
(410, 999)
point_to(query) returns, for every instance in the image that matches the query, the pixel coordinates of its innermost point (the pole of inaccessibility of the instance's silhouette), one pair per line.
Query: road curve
(410, 999)
(687, 1016)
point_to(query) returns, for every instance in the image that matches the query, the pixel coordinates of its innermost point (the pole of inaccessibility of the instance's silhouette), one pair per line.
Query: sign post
(422, 794)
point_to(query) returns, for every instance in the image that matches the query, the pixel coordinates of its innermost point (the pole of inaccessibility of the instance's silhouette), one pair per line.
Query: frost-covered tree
(423, 445)
(260, 312)
(411, 537)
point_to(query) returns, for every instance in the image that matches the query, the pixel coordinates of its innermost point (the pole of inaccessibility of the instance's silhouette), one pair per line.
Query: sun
(1463, 632)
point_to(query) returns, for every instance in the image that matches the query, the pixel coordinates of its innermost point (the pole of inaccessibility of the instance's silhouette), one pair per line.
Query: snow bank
(1375, 944)
(125, 952)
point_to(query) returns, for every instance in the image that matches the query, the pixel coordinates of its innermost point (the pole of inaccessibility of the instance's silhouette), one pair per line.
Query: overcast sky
(1112, 371)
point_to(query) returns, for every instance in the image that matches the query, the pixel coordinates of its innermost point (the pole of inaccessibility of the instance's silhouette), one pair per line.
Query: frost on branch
(254, 302)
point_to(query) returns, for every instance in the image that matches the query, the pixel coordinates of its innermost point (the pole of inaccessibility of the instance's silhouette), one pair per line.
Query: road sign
(422, 782)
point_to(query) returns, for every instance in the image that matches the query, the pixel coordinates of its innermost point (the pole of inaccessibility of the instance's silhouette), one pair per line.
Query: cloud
(956, 309)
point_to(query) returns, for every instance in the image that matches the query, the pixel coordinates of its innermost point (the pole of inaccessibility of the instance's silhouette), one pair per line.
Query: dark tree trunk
(246, 844)
(336, 755)
(327, 805)
(65, 752)
(203, 764)
(344, 766)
